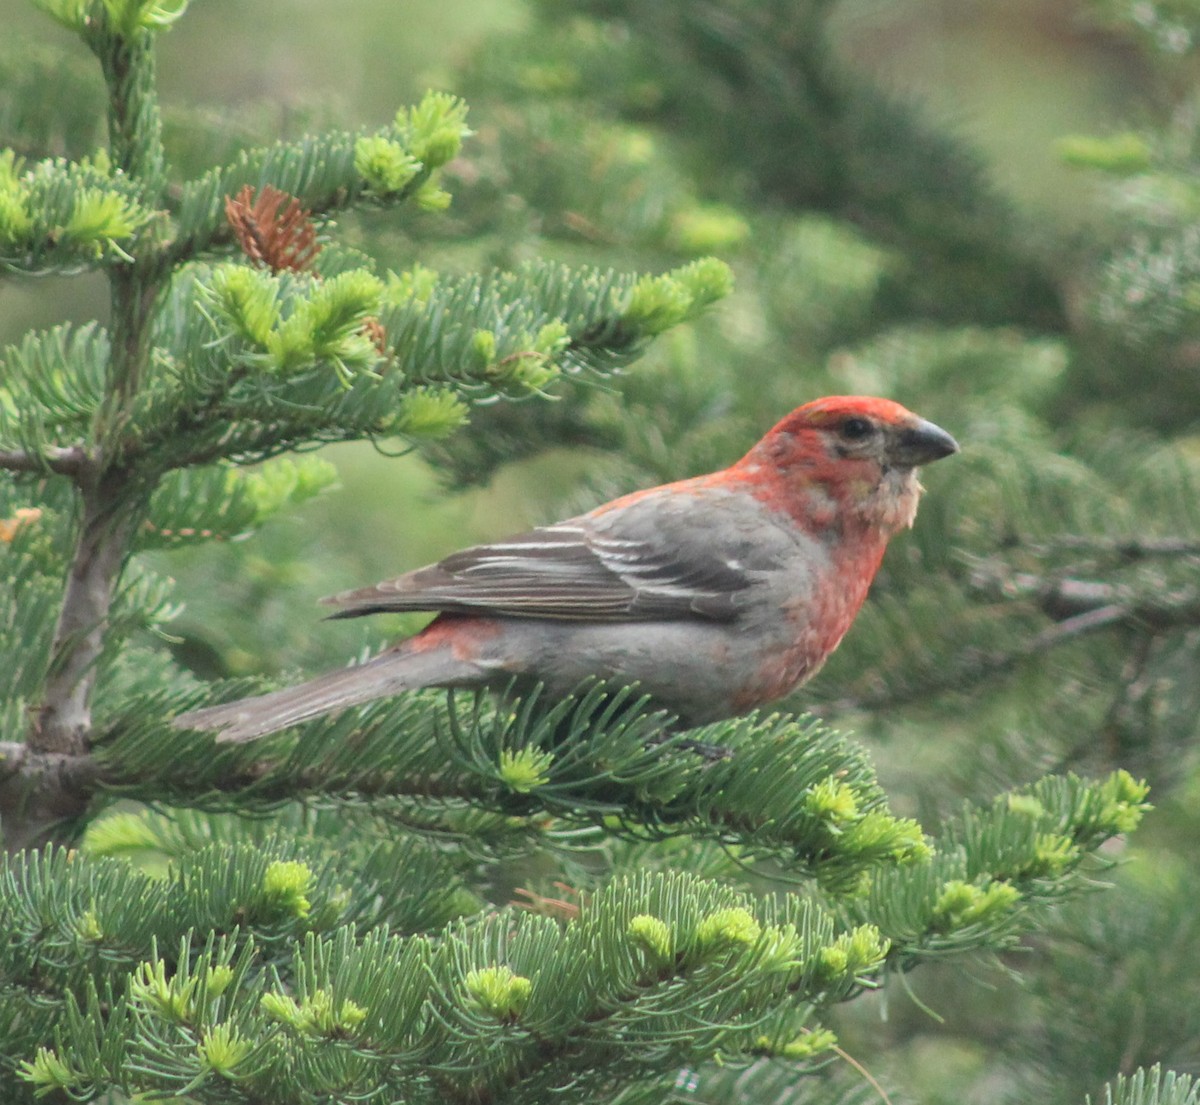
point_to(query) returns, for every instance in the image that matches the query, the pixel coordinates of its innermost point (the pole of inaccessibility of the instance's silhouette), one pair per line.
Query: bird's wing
(641, 563)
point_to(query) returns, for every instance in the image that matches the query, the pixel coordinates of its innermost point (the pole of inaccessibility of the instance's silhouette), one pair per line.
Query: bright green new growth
(246, 299)
(168, 998)
(56, 213)
(47, 1072)
(222, 1049)
(131, 16)
(1124, 802)
(962, 904)
(727, 927)
(435, 128)
(316, 1016)
(802, 1047)
(660, 302)
(526, 769)
(653, 934)
(385, 165)
(327, 326)
(422, 139)
(15, 217)
(284, 884)
(833, 800)
(498, 992)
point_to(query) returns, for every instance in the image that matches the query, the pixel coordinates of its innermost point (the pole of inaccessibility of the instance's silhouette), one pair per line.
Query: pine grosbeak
(714, 595)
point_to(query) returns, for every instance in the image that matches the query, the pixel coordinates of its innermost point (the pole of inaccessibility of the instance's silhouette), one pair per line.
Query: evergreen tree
(450, 899)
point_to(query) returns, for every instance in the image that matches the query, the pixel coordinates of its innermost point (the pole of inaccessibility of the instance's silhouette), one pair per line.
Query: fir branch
(246, 380)
(600, 759)
(1153, 1086)
(994, 864)
(134, 119)
(70, 460)
(319, 172)
(1125, 548)
(789, 789)
(1069, 598)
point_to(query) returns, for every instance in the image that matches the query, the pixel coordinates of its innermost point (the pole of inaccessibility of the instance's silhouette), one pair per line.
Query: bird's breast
(813, 624)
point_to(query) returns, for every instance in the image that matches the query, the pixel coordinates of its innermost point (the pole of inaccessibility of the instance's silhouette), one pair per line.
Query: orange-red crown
(835, 407)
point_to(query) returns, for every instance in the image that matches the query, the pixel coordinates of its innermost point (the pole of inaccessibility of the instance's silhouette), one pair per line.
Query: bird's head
(850, 456)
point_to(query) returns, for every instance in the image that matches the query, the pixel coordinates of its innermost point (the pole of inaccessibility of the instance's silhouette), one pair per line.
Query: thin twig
(976, 666)
(1064, 598)
(1126, 548)
(1077, 625)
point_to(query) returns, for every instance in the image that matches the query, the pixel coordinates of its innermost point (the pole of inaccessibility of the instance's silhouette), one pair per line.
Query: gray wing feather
(577, 570)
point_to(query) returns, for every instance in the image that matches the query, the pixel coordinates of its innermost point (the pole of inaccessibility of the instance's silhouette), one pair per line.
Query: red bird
(715, 594)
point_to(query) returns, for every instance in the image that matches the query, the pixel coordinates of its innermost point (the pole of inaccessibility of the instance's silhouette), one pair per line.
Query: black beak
(922, 443)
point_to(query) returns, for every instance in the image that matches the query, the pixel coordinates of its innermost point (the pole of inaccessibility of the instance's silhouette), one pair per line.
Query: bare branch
(71, 460)
(976, 666)
(1065, 598)
(1088, 622)
(1078, 607)
(47, 788)
(1126, 548)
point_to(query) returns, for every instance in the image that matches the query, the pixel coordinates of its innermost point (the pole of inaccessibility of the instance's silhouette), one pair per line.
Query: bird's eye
(855, 429)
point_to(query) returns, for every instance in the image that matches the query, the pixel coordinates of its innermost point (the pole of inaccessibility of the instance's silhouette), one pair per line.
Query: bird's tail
(399, 669)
